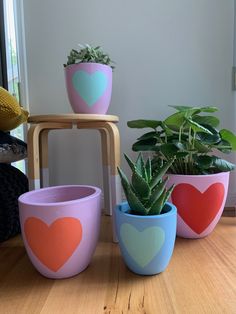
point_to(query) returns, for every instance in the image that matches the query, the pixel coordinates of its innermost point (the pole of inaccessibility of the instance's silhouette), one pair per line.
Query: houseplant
(146, 224)
(88, 74)
(200, 176)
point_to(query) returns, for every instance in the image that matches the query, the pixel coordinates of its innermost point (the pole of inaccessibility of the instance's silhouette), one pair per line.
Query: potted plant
(146, 223)
(200, 176)
(88, 75)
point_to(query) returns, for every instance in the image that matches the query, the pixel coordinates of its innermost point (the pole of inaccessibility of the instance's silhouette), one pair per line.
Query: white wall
(166, 51)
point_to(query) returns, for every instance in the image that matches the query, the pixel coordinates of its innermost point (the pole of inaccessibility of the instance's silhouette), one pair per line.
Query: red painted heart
(54, 244)
(198, 209)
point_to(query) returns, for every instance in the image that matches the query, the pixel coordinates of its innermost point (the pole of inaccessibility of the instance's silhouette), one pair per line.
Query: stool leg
(106, 171)
(37, 139)
(111, 153)
(33, 156)
(114, 163)
(43, 153)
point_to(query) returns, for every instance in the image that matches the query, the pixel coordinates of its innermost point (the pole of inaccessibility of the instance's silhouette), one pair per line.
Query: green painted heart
(144, 245)
(90, 87)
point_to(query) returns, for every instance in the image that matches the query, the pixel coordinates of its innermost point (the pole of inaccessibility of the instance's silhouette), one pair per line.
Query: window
(12, 63)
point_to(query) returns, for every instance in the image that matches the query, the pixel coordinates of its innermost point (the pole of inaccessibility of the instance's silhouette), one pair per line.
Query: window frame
(3, 61)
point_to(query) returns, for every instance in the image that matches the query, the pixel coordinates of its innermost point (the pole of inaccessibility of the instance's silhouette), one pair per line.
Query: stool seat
(37, 139)
(68, 117)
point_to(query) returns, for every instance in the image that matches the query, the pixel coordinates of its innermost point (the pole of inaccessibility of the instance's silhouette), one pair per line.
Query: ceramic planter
(60, 228)
(89, 87)
(200, 200)
(146, 242)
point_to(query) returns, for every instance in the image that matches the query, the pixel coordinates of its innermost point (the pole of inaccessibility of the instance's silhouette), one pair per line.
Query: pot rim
(222, 173)
(172, 211)
(90, 63)
(23, 199)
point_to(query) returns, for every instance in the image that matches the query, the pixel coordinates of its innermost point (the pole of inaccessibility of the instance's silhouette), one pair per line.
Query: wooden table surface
(201, 278)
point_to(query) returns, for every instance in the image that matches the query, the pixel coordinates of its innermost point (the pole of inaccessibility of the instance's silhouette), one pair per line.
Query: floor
(201, 278)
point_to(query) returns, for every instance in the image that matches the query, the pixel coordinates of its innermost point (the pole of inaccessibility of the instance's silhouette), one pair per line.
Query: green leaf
(175, 121)
(229, 137)
(124, 181)
(147, 145)
(140, 186)
(222, 165)
(135, 205)
(148, 168)
(188, 111)
(141, 167)
(156, 178)
(169, 150)
(130, 163)
(209, 139)
(140, 124)
(156, 207)
(181, 108)
(200, 147)
(208, 109)
(157, 191)
(210, 120)
(223, 146)
(167, 195)
(197, 127)
(149, 135)
(204, 162)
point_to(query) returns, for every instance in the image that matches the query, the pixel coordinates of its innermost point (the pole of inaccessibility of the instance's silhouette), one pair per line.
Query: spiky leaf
(141, 167)
(148, 168)
(157, 191)
(140, 186)
(160, 173)
(156, 207)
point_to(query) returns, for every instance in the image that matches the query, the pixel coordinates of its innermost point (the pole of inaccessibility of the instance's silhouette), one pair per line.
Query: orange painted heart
(54, 244)
(198, 209)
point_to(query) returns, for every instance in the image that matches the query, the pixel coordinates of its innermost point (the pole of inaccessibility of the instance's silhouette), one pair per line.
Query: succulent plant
(146, 193)
(86, 53)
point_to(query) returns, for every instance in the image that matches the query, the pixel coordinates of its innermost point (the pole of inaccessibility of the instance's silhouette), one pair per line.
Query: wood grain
(201, 278)
(72, 117)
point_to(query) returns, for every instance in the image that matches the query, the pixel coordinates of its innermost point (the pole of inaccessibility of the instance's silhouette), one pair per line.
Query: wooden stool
(40, 125)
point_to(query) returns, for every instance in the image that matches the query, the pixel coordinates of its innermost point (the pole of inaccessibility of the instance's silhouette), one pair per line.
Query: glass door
(13, 76)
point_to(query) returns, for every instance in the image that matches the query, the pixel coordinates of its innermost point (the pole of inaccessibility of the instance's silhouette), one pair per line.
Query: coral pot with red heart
(200, 201)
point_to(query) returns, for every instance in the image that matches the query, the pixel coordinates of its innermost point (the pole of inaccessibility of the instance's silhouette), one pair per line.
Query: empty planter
(60, 228)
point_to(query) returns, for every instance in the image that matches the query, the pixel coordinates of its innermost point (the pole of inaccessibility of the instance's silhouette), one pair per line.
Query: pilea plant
(191, 136)
(86, 53)
(146, 194)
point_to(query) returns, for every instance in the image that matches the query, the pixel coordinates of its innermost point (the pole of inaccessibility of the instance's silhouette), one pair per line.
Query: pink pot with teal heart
(146, 242)
(200, 201)
(60, 228)
(89, 87)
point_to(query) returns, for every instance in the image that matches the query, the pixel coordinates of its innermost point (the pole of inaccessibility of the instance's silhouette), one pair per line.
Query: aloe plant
(191, 135)
(146, 194)
(86, 53)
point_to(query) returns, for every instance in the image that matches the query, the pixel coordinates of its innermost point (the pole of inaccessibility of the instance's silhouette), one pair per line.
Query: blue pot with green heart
(146, 222)
(146, 242)
(89, 87)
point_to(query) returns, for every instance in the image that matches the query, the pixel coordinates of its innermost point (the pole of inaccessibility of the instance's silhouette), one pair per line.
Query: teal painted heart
(144, 245)
(90, 87)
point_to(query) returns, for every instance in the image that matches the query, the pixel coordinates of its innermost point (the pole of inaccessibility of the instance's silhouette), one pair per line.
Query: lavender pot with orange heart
(60, 227)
